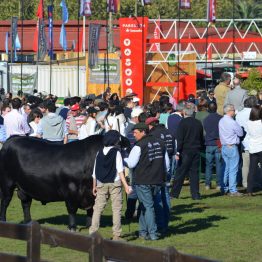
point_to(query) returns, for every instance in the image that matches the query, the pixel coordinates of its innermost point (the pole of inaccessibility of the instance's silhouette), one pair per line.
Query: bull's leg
(7, 194)
(26, 202)
(71, 209)
(89, 213)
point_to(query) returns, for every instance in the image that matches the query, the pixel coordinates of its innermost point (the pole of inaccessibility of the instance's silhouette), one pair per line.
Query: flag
(184, 4)
(79, 46)
(40, 9)
(64, 12)
(145, 2)
(6, 42)
(94, 33)
(156, 46)
(113, 6)
(17, 45)
(50, 27)
(40, 15)
(62, 39)
(85, 8)
(211, 11)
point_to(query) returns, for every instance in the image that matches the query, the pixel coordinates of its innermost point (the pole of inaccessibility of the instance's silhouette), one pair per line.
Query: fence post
(96, 252)
(33, 242)
(170, 254)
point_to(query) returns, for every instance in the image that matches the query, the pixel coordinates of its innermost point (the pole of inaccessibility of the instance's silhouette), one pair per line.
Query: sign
(28, 82)
(98, 74)
(133, 34)
(249, 55)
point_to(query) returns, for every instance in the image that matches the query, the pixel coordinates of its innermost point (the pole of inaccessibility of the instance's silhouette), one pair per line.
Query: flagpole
(22, 43)
(107, 46)
(84, 35)
(234, 50)
(178, 49)
(51, 46)
(78, 38)
(206, 54)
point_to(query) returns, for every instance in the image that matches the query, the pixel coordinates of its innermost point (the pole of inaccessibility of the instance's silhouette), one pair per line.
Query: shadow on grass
(186, 208)
(194, 225)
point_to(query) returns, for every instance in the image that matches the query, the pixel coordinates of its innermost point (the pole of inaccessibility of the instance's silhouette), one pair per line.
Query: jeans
(162, 208)
(230, 155)
(213, 153)
(147, 221)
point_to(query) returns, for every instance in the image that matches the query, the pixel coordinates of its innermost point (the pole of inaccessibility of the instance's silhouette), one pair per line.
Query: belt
(229, 145)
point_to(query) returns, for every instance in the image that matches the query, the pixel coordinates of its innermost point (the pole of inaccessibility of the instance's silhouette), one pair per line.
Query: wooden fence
(99, 249)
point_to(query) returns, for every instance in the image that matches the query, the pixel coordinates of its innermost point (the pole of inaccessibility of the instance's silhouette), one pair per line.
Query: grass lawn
(217, 227)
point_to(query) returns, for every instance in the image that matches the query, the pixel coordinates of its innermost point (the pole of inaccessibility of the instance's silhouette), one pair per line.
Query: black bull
(49, 173)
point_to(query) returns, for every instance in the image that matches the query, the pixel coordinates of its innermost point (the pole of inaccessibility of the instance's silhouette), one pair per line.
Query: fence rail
(97, 247)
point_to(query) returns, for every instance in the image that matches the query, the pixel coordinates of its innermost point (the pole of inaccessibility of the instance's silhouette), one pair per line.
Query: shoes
(207, 187)
(196, 197)
(118, 238)
(250, 194)
(152, 238)
(143, 237)
(236, 194)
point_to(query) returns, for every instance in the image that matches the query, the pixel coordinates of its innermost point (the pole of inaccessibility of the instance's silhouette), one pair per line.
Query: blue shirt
(2, 133)
(229, 131)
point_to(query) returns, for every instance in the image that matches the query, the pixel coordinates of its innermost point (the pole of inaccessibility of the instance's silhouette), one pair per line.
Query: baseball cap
(141, 126)
(136, 112)
(136, 99)
(151, 120)
(75, 107)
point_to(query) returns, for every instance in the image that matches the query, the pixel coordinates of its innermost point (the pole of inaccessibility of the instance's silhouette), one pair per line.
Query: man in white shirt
(14, 122)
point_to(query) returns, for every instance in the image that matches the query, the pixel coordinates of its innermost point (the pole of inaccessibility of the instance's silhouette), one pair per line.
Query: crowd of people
(167, 139)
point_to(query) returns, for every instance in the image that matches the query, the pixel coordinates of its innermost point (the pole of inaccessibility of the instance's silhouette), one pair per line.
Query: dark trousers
(189, 166)
(253, 170)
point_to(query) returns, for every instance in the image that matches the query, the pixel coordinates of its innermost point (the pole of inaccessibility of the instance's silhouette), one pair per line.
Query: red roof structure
(189, 35)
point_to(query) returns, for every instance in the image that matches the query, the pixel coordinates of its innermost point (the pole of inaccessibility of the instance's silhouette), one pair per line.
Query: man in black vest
(162, 203)
(108, 178)
(149, 160)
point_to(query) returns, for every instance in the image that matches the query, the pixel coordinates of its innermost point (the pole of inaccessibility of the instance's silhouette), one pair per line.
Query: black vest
(151, 169)
(106, 166)
(162, 133)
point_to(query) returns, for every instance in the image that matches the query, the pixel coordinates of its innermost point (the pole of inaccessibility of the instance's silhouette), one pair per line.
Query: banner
(133, 34)
(113, 6)
(85, 8)
(94, 33)
(50, 30)
(28, 82)
(211, 11)
(184, 4)
(97, 73)
(42, 47)
(15, 39)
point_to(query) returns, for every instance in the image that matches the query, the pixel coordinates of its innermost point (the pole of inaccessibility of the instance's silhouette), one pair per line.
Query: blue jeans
(147, 221)
(231, 157)
(213, 153)
(162, 208)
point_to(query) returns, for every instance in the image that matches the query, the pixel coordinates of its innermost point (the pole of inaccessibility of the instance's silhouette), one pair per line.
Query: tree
(254, 81)
(247, 10)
